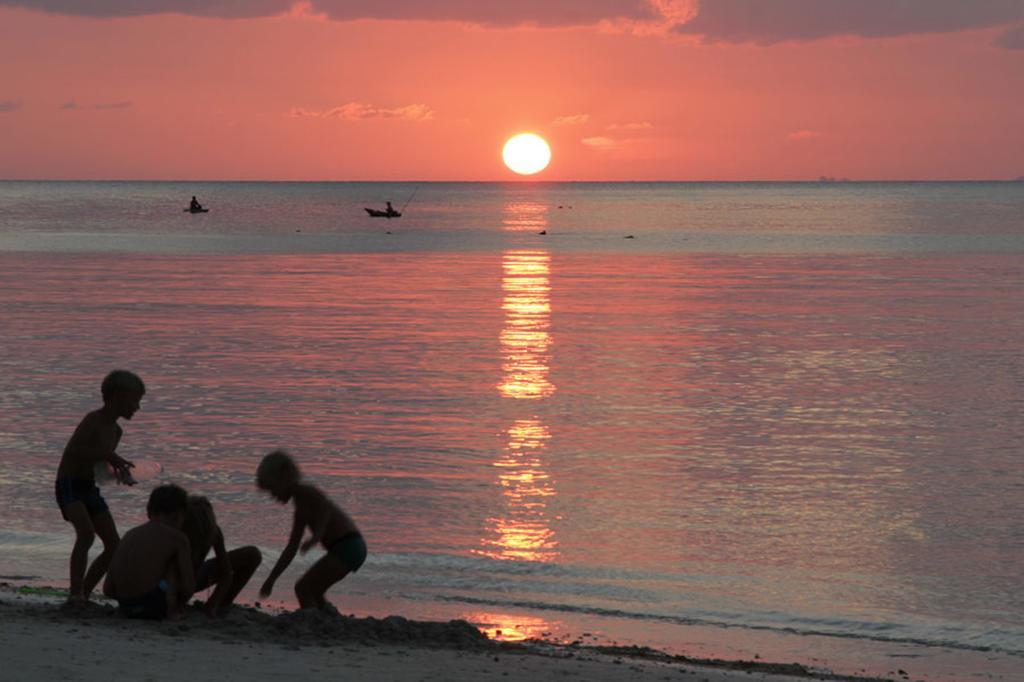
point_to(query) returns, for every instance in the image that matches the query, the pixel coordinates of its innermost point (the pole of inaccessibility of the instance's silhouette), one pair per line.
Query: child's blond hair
(199, 526)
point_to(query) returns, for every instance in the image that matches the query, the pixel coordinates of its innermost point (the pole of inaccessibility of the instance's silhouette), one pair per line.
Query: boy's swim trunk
(350, 549)
(150, 606)
(70, 490)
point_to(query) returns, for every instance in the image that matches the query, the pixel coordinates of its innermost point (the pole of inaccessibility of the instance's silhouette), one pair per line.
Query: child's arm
(87, 443)
(286, 556)
(225, 575)
(321, 518)
(183, 561)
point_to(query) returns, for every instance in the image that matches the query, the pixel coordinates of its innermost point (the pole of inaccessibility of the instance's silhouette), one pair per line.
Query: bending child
(95, 441)
(229, 571)
(151, 572)
(328, 524)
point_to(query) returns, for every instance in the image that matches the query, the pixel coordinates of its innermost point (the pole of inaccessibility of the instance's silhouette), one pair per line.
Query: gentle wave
(842, 629)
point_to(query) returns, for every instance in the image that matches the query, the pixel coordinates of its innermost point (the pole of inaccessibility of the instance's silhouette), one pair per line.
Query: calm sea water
(721, 419)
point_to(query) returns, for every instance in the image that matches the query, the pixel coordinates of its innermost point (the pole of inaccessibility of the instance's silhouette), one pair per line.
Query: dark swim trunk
(350, 549)
(70, 490)
(150, 606)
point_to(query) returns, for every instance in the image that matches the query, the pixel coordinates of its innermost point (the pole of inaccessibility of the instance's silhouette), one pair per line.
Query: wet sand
(43, 640)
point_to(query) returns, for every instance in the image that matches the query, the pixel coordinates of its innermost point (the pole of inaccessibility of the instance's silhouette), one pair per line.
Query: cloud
(766, 22)
(549, 13)
(1012, 39)
(71, 105)
(639, 125)
(577, 119)
(763, 22)
(803, 135)
(599, 142)
(357, 111)
(133, 8)
(7, 105)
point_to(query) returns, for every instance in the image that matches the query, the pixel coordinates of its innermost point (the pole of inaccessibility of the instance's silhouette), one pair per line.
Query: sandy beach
(43, 641)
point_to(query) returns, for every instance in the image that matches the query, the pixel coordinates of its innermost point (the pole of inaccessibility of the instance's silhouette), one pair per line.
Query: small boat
(376, 213)
(196, 210)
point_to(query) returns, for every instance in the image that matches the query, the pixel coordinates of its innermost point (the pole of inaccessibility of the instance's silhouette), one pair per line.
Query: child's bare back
(151, 572)
(313, 507)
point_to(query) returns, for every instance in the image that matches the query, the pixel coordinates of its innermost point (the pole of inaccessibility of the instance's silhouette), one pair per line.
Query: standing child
(328, 524)
(95, 441)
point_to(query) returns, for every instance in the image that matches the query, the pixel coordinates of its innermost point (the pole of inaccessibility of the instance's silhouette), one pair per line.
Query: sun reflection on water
(510, 627)
(522, 531)
(525, 340)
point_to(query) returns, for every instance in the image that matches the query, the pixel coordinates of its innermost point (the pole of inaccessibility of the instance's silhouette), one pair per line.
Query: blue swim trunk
(150, 606)
(350, 549)
(70, 490)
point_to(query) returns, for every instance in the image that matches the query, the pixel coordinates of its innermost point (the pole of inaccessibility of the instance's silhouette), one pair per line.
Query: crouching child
(329, 526)
(150, 574)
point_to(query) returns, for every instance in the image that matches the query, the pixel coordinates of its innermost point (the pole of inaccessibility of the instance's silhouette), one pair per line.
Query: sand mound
(324, 628)
(307, 627)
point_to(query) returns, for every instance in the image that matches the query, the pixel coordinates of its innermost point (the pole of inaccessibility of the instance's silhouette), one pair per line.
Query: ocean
(738, 420)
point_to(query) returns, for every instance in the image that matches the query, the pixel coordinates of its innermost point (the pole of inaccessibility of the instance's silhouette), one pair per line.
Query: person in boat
(390, 209)
(195, 205)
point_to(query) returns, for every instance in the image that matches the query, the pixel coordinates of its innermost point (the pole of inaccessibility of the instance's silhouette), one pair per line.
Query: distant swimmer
(195, 207)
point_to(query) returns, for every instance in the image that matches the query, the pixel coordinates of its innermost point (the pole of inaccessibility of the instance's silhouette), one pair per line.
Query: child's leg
(244, 562)
(78, 516)
(103, 523)
(175, 599)
(311, 587)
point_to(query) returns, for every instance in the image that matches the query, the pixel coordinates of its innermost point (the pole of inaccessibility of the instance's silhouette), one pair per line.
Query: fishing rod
(410, 199)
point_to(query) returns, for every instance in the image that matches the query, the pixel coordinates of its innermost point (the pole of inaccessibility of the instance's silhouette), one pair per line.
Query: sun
(526, 154)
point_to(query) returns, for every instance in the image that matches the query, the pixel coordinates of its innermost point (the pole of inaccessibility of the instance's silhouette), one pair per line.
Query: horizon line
(513, 181)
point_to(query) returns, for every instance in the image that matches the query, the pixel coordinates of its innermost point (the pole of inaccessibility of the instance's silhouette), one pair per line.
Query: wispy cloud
(803, 135)
(574, 120)
(71, 105)
(638, 125)
(9, 105)
(599, 142)
(357, 111)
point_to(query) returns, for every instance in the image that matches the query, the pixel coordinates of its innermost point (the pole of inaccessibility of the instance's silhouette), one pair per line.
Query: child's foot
(75, 601)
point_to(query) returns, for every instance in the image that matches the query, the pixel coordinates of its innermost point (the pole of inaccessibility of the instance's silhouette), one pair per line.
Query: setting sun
(526, 154)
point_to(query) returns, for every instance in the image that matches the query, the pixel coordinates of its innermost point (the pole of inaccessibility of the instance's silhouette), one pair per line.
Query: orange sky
(623, 90)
